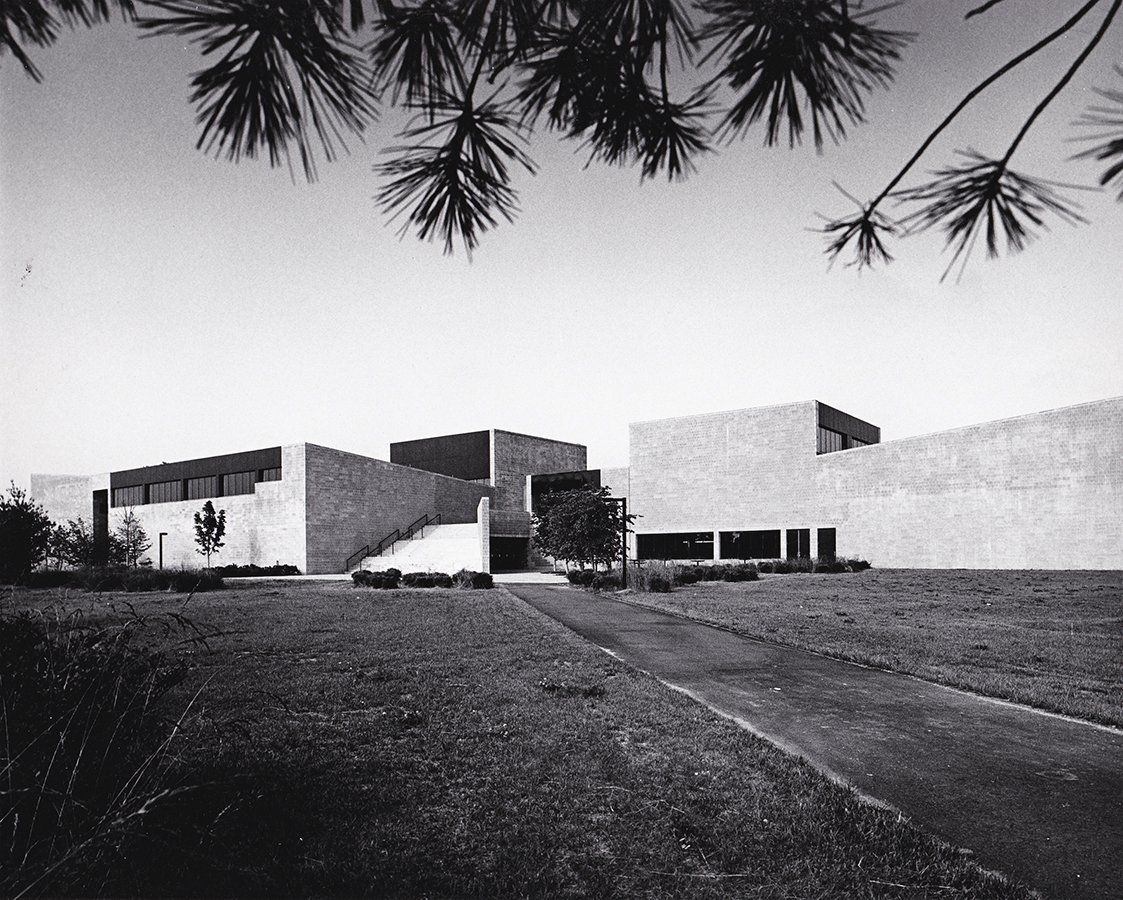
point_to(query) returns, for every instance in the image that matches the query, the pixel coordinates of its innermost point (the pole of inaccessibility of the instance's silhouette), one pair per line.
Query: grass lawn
(1048, 639)
(440, 743)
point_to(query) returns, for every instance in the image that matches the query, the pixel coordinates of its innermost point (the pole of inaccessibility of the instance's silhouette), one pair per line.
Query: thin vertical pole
(624, 541)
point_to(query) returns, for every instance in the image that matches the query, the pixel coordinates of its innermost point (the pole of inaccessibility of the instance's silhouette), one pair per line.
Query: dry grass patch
(441, 743)
(1048, 639)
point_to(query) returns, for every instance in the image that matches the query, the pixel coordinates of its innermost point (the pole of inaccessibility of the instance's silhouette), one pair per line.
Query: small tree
(582, 525)
(132, 537)
(25, 534)
(210, 527)
(58, 547)
(79, 543)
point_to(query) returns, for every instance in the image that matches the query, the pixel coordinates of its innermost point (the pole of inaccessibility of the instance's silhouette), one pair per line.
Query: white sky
(157, 304)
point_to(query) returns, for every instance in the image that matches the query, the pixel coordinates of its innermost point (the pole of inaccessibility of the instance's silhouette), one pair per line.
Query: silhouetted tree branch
(303, 76)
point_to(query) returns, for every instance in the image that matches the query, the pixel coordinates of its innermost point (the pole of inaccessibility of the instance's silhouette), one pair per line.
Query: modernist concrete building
(804, 479)
(441, 503)
(794, 480)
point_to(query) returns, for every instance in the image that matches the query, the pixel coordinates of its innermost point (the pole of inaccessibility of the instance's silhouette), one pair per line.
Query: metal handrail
(418, 525)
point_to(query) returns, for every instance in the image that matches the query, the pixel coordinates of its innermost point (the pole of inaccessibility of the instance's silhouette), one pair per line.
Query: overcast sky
(157, 304)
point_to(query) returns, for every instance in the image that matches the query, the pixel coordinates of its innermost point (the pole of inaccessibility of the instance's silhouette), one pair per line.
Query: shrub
(581, 577)
(858, 565)
(53, 578)
(103, 579)
(426, 579)
(466, 579)
(387, 580)
(142, 580)
(829, 566)
(605, 581)
(253, 571)
(740, 572)
(641, 576)
(658, 584)
(396, 574)
(686, 575)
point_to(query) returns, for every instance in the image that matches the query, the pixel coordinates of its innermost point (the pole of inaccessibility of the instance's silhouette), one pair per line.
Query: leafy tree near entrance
(585, 526)
(25, 534)
(210, 528)
(132, 539)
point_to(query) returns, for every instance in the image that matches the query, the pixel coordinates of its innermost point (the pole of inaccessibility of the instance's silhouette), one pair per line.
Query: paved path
(1036, 796)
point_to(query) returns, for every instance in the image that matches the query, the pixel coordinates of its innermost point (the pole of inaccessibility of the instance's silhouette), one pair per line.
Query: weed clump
(87, 747)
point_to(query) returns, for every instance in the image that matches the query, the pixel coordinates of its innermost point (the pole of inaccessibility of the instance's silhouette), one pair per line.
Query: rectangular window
(201, 488)
(676, 545)
(128, 496)
(238, 483)
(830, 440)
(165, 491)
(827, 543)
(799, 543)
(269, 474)
(750, 544)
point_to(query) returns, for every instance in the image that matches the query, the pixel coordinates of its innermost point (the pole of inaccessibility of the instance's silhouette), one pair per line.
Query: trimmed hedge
(134, 581)
(252, 571)
(465, 579)
(716, 572)
(387, 580)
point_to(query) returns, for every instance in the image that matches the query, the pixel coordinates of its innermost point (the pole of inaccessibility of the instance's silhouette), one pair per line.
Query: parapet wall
(353, 500)
(1037, 491)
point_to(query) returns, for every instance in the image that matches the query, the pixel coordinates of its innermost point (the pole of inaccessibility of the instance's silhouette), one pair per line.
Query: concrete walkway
(1036, 796)
(529, 577)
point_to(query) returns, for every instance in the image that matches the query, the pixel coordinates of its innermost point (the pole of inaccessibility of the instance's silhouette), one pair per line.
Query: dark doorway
(799, 543)
(827, 539)
(510, 554)
(101, 527)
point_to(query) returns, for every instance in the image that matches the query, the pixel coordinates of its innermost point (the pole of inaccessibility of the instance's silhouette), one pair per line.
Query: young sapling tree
(210, 528)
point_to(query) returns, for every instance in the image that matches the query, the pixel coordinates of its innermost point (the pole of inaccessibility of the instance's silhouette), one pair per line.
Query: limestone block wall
(262, 528)
(354, 500)
(514, 456)
(483, 528)
(66, 497)
(616, 480)
(618, 483)
(744, 469)
(1037, 491)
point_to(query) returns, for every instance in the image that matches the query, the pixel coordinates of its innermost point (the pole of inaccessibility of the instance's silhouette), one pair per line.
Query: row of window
(829, 440)
(226, 485)
(734, 544)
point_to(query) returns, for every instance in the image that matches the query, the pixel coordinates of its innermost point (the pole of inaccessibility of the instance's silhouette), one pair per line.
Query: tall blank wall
(354, 500)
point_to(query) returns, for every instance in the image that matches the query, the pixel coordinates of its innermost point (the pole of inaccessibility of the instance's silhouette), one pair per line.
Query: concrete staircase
(438, 548)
